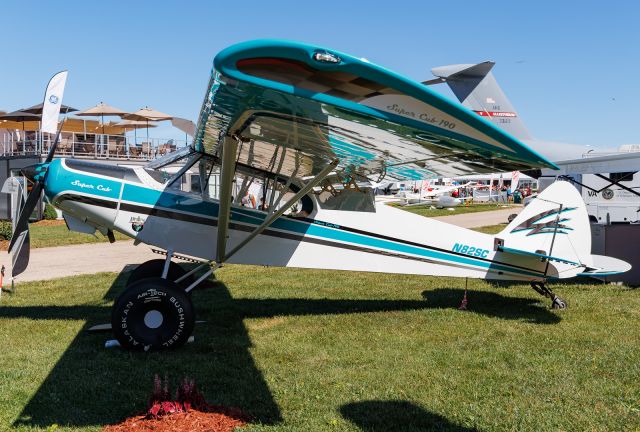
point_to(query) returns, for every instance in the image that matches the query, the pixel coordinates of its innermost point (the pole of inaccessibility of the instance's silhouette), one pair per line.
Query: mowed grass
(55, 233)
(490, 229)
(305, 350)
(429, 210)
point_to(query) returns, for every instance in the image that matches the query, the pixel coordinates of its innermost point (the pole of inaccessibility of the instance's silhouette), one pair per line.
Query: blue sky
(569, 68)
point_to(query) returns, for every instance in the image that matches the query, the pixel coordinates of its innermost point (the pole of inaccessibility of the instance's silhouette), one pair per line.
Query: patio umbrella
(20, 116)
(147, 114)
(186, 126)
(102, 109)
(37, 109)
(135, 125)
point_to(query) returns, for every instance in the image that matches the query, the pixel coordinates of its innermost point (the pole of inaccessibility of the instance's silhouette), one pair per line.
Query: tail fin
(555, 226)
(477, 89)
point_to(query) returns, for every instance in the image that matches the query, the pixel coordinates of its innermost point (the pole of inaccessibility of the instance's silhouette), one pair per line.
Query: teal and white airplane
(313, 129)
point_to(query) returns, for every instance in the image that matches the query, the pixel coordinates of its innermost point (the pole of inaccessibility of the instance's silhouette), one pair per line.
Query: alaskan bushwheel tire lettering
(156, 297)
(154, 268)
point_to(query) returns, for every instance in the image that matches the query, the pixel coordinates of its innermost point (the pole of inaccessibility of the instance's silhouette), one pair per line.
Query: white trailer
(610, 187)
(609, 184)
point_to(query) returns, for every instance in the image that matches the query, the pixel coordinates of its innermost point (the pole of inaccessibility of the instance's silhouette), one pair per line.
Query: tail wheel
(153, 314)
(558, 303)
(154, 268)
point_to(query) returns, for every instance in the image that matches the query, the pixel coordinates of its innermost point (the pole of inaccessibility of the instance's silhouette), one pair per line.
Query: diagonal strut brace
(275, 215)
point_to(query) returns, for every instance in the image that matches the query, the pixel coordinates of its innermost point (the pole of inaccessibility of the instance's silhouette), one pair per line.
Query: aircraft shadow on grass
(90, 385)
(396, 415)
(531, 310)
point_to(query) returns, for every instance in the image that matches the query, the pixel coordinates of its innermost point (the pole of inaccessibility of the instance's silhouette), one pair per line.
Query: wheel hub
(153, 319)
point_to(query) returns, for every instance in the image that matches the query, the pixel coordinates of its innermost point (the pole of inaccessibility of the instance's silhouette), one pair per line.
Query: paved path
(60, 261)
(474, 220)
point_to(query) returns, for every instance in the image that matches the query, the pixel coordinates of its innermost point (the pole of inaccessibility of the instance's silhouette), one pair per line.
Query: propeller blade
(23, 220)
(52, 149)
(32, 200)
(20, 257)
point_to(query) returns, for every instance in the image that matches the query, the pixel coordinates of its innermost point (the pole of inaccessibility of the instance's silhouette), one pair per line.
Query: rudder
(555, 224)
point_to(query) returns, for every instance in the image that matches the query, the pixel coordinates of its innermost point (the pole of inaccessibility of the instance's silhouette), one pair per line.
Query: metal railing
(95, 147)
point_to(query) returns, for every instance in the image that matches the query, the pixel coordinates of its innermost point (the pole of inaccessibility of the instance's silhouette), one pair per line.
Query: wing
(293, 108)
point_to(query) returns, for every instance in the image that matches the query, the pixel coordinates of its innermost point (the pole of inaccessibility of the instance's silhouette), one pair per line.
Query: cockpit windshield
(167, 169)
(170, 158)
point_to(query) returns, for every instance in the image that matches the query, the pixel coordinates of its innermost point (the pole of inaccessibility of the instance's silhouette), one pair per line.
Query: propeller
(20, 244)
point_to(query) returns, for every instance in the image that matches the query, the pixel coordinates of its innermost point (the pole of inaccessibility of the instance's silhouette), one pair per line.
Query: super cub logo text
(78, 183)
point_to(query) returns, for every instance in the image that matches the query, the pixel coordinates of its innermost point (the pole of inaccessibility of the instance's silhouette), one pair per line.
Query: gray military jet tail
(475, 86)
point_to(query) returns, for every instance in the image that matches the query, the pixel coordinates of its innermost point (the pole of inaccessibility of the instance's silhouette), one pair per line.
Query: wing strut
(271, 218)
(227, 174)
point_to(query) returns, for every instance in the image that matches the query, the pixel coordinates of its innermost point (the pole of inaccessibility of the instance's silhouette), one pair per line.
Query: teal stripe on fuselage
(193, 205)
(60, 180)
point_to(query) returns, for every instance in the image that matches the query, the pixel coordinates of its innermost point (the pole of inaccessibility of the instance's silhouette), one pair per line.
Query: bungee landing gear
(155, 311)
(154, 268)
(542, 289)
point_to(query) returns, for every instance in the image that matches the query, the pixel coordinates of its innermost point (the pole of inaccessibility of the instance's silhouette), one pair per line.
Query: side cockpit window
(346, 194)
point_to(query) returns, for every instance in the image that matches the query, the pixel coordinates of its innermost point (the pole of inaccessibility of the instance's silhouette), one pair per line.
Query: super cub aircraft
(313, 129)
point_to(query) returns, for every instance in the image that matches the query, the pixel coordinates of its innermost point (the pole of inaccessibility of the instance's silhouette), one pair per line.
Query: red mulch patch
(188, 411)
(216, 420)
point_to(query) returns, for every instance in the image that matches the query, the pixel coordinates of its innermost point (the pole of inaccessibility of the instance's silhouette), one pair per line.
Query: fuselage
(133, 202)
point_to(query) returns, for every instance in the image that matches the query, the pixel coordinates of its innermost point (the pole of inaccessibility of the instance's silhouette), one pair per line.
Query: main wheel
(152, 314)
(154, 268)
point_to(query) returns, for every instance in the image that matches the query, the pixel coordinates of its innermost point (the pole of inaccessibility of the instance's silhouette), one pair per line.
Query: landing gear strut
(542, 289)
(154, 268)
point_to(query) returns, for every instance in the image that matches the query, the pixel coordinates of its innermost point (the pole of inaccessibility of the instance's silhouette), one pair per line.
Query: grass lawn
(304, 350)
(55, 233)
(431, 211)
(490, 229)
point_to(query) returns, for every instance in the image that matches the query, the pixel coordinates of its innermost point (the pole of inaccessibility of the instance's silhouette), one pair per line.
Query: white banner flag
(515, 178)
(52, 103)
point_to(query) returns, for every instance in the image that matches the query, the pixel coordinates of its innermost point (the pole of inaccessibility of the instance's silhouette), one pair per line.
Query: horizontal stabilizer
(606, 266)
(460, 71)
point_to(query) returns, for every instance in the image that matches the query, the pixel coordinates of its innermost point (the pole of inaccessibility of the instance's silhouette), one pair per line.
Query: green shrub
(6, 231)
(50, 212)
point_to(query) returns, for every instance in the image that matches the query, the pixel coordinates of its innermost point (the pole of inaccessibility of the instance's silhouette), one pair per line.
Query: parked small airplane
(314, 128)
(439, 196)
